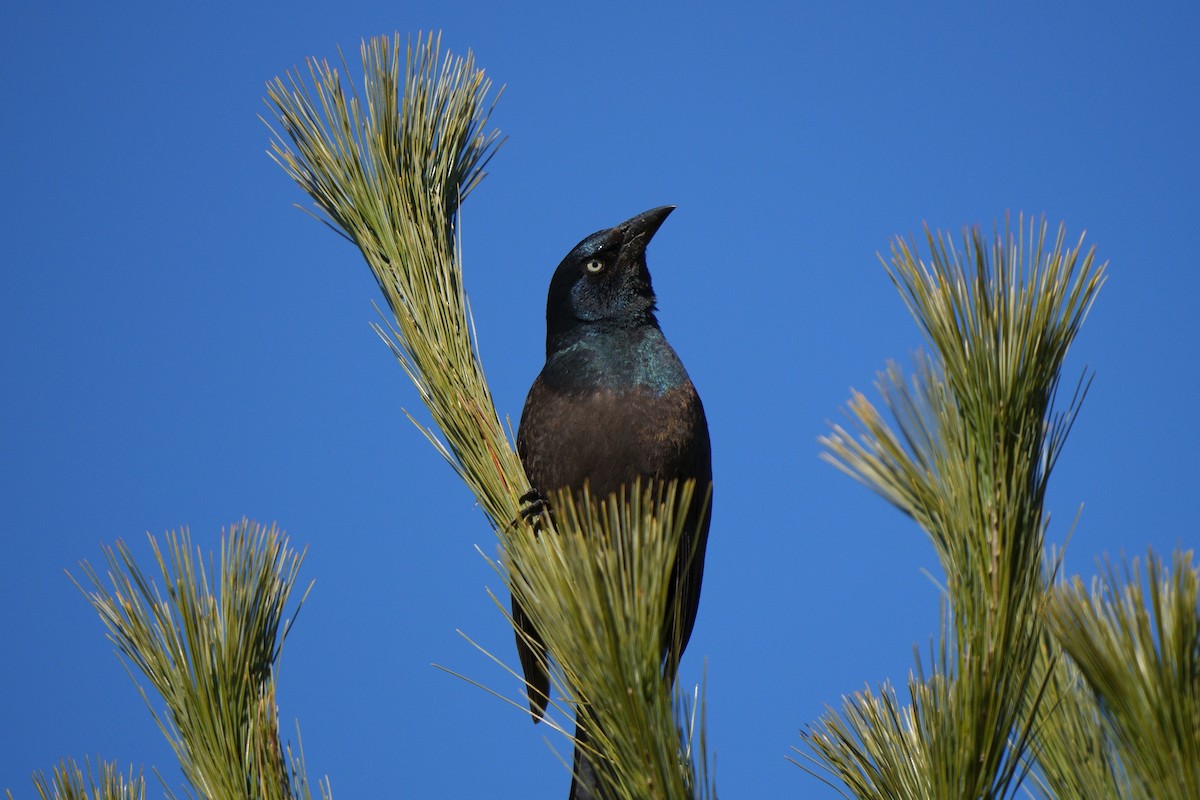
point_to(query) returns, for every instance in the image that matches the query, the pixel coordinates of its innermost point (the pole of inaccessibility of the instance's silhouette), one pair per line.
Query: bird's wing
(530, 647)
(532, 652)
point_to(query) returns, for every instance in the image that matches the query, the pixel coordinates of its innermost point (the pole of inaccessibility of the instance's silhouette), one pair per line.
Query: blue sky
(184, 348)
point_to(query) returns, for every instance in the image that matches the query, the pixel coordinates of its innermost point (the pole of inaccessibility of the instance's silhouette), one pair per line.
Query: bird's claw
(533, 506)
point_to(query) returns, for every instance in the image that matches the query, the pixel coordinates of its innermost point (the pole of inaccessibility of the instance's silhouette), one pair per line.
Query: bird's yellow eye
(593, 265)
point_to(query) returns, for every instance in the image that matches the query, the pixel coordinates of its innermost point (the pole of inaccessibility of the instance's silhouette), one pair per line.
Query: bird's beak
(637, 232)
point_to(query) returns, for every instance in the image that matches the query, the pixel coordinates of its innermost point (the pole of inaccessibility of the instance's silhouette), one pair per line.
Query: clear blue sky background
(182, 347)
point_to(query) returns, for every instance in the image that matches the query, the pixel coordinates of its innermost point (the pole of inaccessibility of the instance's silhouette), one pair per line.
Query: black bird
(612, 404)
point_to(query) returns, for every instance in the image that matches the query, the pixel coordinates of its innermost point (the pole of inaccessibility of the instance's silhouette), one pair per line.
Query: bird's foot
(533, 506)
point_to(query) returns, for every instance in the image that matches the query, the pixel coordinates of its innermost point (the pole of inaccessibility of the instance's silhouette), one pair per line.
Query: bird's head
(603, 281)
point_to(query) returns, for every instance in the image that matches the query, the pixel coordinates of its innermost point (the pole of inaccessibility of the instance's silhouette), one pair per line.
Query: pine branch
(210, 655)
(968, 457)
(390, 169)
(69, 783)
(1073, 753)
(1136, 640)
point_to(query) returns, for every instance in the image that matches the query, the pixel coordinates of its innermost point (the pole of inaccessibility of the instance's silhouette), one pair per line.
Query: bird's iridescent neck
(620, 360)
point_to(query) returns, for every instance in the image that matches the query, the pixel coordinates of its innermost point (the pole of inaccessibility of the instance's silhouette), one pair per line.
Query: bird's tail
(585, 783)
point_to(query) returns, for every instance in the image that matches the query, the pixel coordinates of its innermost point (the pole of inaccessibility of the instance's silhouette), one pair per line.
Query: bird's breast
(609, 437)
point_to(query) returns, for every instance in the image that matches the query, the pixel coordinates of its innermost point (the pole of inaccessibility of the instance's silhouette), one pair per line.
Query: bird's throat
(616, 360)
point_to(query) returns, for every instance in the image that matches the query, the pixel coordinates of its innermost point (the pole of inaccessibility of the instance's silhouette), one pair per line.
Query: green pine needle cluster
(68, 782)
(600, 586)
(974, 440)
(208, 641)
(389, 168)
(1135, 638)
(1071, 758)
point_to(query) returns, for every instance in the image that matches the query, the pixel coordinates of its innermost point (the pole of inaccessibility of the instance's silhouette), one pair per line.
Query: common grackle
(612, 404)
